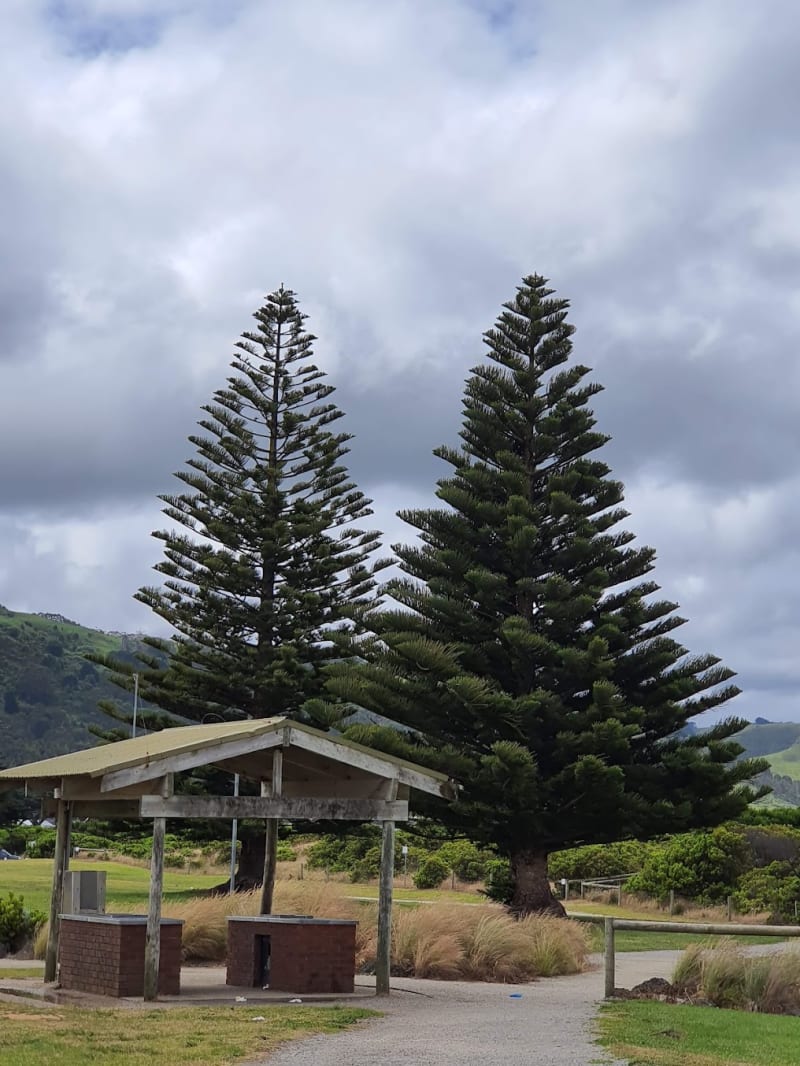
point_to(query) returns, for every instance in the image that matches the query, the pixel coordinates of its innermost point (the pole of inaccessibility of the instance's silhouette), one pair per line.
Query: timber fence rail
(610, 925)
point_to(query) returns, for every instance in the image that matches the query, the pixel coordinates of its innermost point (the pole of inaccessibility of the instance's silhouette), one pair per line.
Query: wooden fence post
(608, 949)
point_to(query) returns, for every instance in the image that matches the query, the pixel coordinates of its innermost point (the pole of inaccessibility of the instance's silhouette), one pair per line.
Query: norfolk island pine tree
(528, 655)
(265, 567)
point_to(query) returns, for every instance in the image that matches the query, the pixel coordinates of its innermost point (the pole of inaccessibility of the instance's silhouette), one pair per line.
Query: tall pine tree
(528, 653)
(265, 566)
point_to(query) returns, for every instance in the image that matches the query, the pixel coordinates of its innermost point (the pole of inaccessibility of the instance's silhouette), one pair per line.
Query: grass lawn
(663, 1034)
(31, 879)
(11, 973)
(417, 895)
(214, 1036)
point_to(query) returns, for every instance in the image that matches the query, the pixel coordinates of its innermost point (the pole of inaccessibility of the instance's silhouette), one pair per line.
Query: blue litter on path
(515, 995)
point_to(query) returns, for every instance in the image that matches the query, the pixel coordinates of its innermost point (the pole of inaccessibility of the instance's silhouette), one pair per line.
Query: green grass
(129, 885)
(663, 1034)
(636, 940)
(430, 895)
(786, 762)
(10, 973)
(71, 1036)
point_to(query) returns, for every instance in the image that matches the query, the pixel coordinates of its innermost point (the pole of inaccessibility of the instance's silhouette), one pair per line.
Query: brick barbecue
(289, 953)
(104, 954)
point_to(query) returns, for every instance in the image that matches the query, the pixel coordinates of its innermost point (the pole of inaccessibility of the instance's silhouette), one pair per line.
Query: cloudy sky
(164, 163)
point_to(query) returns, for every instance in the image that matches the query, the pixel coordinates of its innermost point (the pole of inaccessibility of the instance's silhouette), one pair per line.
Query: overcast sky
(164, 163)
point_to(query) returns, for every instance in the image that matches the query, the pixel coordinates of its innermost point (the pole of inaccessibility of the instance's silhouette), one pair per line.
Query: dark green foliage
(432, 871)
(703, 867)
(17, 922)
(267, 566)
(528, 654)
(599, 860)
(499, 882)
(774, 888)
(48, 692)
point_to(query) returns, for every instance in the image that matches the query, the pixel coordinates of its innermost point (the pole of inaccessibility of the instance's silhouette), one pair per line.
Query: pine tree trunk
(250, 871)
(532, 891)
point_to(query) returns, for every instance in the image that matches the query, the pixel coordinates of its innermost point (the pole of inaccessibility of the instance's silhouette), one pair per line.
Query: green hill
(768, 738)
(48, 691)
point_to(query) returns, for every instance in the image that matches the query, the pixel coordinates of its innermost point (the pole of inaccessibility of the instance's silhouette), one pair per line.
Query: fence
(610, 925)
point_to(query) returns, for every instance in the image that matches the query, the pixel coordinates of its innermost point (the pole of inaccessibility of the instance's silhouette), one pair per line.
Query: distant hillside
(48, 691)
(768, 738)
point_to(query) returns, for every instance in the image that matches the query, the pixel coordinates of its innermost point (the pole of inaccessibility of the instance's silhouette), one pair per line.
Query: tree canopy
(528, 651)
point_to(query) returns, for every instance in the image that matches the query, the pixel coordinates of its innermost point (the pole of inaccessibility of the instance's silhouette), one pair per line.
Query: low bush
(599, 860)
(432, 871)
(725, 977)
(702, 866)
(774, 888)
(18, 923)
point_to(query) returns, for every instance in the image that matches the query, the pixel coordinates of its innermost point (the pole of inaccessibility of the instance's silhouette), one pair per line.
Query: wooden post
(608, 951)
(730, 908)
(271, 835)
(152, 944)
(671, 902)
(383, 963)
(60, 867)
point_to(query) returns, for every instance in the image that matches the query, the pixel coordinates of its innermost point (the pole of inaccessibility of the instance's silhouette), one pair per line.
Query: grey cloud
(401, 170)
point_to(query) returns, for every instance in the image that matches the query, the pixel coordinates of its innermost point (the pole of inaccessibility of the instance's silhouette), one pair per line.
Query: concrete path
(448, 1023)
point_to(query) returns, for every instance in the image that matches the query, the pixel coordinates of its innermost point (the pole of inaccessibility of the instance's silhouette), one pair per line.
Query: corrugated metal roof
(121, 754)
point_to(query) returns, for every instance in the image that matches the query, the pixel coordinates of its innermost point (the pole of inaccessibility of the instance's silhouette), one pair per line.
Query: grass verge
(662, 1034)
(216, 1036)
(126, 885)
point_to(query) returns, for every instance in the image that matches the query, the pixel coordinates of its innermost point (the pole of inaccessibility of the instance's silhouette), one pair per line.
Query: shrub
(700, 865)
(599, 860)
(17, 922)
(773, 888)
(465, 860)
(432, 871)
(499, 886)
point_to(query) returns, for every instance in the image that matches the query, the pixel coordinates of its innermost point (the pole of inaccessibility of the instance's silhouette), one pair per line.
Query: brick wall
(305, 956)
(107, 958)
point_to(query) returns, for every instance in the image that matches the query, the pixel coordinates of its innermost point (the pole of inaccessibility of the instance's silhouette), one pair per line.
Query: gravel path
(438, 1023)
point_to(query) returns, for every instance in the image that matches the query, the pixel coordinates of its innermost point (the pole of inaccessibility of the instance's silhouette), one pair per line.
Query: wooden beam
(90, 788)
(152, 944)
(95, 808)
(383, 961)
(60, 866)
(188, 760)
(373, 764)
(295, 809)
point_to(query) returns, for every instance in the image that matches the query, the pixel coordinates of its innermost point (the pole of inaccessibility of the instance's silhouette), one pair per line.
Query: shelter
(304, 774)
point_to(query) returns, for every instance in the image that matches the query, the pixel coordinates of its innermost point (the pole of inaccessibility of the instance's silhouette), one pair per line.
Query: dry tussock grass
(726, 977)
(443, 941)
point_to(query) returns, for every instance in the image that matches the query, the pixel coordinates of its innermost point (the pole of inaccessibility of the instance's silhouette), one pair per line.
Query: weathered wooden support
(609, 957)
(274, 790)
(297, 808)
(60, 867)
(383, 963)
(152, 945)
